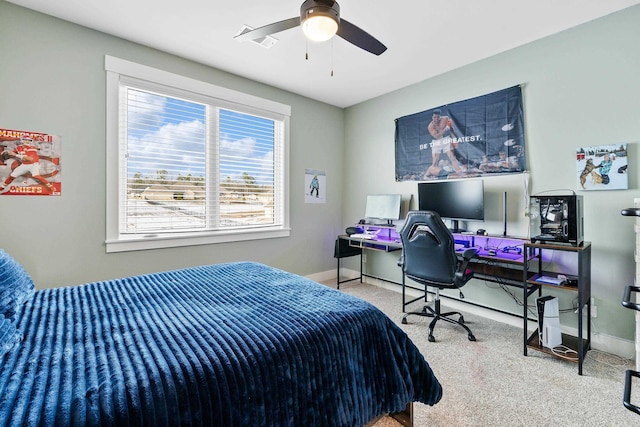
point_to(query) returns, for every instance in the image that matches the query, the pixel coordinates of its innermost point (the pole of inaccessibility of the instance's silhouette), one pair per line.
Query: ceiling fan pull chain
(306, 49)
(331, 57)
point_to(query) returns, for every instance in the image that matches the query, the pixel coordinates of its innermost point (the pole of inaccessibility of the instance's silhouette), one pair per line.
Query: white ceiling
(424, 38)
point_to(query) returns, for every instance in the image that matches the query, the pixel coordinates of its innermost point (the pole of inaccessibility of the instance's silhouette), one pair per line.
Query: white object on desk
(552, 280)
(362, 236)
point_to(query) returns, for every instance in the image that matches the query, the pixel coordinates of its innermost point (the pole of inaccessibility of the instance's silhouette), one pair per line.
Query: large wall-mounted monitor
(461, 200)
(385, 207)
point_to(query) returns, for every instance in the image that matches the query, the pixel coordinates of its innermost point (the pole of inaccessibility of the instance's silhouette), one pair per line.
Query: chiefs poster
(29, 163)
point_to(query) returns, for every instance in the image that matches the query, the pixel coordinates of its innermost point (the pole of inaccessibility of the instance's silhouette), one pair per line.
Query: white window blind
(190, 164)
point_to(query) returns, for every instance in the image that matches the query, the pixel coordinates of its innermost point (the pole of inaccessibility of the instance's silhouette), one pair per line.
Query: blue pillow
(16, 285)
(9, 336)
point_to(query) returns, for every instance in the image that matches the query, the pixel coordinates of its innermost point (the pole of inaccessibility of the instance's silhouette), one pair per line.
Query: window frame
(116, 69)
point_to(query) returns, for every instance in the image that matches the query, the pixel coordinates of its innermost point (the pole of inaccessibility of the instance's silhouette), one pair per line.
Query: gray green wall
(52, 80)
(581, 88)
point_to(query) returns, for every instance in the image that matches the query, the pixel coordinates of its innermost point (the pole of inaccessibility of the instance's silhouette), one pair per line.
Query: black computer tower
(557, 219)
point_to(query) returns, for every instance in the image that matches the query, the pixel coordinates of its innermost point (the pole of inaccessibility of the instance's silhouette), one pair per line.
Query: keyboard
(362, 236)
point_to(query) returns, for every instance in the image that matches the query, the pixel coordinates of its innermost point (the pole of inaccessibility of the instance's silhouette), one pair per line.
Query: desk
(511, 261)
(500, 259)
(347, 246)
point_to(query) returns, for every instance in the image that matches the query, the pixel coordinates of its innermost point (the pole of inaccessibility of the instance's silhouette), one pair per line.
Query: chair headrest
(422, 230)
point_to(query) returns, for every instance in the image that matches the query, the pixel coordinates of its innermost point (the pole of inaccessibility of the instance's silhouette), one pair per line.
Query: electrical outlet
(594, 309)
(364, 258)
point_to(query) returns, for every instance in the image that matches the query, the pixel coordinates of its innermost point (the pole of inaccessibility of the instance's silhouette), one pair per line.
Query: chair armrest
(463, 275)
(469, 254)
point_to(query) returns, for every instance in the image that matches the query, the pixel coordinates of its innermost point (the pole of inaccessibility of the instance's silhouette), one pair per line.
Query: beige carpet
(491, 383)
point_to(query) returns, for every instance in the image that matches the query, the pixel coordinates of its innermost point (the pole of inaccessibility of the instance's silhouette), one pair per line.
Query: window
(191, 163)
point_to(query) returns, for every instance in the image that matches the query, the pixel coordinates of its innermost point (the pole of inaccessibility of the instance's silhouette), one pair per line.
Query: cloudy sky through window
(166, 133)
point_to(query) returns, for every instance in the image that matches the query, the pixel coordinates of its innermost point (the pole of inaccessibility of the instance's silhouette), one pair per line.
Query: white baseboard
(603, 342)
(328, 275)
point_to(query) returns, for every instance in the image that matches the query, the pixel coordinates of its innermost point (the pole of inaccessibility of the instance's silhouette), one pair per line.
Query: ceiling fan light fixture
(319, 21)
(319, 28)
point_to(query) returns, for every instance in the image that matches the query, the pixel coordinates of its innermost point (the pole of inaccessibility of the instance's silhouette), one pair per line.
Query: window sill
(126, 243)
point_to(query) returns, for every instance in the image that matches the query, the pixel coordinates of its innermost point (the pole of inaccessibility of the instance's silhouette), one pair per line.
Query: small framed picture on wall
(603, 167)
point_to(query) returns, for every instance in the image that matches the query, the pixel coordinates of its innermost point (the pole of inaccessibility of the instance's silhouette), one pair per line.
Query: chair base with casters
(435, 312)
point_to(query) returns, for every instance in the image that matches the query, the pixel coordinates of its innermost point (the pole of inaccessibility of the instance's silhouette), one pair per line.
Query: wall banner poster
(29, 163)
(473, 138)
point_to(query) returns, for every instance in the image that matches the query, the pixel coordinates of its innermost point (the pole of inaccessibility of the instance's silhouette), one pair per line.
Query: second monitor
(386, 207)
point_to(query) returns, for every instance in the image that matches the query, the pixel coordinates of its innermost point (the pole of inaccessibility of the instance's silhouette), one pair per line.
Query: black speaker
(353, 230)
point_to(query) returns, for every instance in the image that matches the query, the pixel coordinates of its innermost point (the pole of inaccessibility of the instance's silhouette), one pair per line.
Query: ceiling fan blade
(270, 29)
(359, 37)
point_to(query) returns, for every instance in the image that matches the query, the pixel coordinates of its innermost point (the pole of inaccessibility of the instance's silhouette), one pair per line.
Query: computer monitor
(454, 200)
(383, 207)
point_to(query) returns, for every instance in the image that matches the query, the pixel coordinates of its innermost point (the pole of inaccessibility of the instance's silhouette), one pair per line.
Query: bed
(235, 344)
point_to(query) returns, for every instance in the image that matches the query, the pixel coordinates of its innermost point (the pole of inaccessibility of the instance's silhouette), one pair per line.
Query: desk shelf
(374, 244)
(533, 281)
(500, 258)
(533, 264)
(497, 272)
(568, 341)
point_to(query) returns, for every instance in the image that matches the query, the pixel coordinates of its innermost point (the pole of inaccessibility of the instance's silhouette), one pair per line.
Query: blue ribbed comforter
(238, 344)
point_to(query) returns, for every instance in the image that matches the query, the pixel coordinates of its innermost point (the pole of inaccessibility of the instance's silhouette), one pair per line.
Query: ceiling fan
(320, 20)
